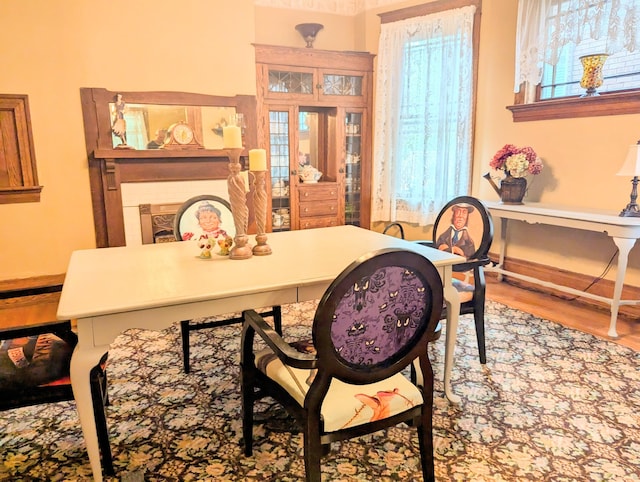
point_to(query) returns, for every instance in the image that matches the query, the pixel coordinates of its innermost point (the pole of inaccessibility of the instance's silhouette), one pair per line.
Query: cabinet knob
(306, 194)
(306, 210)
(294, 173)
(341, 170)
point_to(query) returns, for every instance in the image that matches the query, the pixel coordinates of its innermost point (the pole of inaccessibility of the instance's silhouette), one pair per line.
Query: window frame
(607, 103)
(17, 151)
(617, 102)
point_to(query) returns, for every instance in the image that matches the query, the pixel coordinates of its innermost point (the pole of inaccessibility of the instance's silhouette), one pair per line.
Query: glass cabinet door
(348, 86)
(284, 83)
(353, 168)
(279, 122)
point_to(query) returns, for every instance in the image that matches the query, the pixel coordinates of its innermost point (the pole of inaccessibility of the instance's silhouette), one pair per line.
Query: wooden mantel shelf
(158, 153)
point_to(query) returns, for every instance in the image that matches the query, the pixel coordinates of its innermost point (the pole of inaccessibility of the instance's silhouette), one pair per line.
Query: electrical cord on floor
(599, 278)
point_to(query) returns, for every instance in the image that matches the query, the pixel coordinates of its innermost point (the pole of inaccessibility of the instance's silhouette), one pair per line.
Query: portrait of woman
(206, 216)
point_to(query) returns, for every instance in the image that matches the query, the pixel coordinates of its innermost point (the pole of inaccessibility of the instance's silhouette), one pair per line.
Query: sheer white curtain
(423, 124)
(546, 26)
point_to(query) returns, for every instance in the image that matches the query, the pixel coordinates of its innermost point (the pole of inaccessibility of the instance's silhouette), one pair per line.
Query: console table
(623, 231)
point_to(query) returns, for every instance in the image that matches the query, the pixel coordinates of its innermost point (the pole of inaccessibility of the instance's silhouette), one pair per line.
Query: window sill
(12, 195)
(606, 104)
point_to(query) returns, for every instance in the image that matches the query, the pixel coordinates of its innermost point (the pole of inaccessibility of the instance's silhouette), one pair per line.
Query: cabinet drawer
(318, 222)
(318, 192)
(318, 208)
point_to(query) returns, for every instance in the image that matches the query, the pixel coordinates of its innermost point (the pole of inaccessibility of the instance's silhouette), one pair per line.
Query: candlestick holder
(239, 210)
(260, 206)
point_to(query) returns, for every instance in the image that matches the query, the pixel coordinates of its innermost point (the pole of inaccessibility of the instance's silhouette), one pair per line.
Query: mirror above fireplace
(148, 124)
(148, 114)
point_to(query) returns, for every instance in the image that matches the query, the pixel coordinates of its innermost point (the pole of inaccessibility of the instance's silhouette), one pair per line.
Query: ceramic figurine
(225, 245)
(206, 245)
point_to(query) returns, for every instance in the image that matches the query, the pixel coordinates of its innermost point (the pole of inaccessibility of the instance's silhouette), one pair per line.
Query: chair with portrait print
(35, 369)
(209, 216)
(375, 319)
(472, 240)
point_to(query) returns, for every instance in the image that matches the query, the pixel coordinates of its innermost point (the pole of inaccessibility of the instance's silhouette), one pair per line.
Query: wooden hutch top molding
(324, 59)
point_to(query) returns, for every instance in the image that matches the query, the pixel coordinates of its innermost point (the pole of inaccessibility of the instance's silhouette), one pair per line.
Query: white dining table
(110, 290)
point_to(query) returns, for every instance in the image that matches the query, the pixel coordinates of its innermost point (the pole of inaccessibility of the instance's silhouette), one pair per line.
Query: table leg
(82, 361)
(452, 300)
(624, 246)
(503, 245)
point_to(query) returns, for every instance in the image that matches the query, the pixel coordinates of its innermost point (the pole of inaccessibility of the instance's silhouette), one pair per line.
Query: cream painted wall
(581, 156)
(53, 48)
(276, 26)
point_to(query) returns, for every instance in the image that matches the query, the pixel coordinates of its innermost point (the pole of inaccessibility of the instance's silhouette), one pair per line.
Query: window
(18, 176)
(552, 35)
(621, 69)
(424, 105)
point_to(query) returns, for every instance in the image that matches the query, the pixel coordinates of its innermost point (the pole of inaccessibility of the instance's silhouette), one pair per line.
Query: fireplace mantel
(109, 168)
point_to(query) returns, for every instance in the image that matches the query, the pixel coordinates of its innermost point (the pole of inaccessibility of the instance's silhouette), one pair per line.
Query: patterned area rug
(552, 404)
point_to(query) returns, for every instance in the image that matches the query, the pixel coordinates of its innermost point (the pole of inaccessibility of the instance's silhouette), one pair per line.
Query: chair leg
(99, 396)
(247, 411)
(312, 455)
(184, 330)
(425, 430)
(428, 470)
(277, 319)
(478, 311)
(478, 318)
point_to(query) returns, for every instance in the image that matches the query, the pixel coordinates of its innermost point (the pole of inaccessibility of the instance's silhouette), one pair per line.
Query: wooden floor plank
(571, 314)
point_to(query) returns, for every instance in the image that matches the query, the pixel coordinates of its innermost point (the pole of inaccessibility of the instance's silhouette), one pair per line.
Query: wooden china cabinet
(314, 109)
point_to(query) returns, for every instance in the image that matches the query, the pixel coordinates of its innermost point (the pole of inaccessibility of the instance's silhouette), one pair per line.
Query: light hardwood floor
(568, 313)
(572, 314)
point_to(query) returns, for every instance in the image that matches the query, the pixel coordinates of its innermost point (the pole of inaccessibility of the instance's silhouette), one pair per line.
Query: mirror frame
(97, 117)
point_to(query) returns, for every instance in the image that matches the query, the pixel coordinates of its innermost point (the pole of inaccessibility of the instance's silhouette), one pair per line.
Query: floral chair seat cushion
(345, 405)
(34, 361)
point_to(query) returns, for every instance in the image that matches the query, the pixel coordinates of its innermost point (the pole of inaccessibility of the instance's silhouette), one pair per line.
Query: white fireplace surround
(136, 193)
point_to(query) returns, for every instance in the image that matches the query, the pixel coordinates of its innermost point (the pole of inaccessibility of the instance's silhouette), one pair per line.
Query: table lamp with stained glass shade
(631, 167)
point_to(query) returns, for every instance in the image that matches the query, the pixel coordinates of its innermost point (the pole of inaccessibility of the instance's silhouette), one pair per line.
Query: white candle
(257, 160)
(231, 137)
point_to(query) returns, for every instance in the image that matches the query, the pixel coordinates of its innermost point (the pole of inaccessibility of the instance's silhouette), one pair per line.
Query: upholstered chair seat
(34, 369)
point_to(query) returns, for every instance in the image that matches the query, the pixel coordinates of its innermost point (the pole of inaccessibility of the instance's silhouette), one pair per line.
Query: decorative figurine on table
(225, 245)
(206, 245)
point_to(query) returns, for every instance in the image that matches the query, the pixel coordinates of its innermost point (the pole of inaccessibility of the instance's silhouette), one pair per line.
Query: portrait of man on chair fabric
(458, 237)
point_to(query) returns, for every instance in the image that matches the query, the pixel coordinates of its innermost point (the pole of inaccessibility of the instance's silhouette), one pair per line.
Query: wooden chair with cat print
(374, 320)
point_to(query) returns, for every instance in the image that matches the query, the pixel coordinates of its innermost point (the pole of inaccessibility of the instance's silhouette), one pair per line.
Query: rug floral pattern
(552, 404)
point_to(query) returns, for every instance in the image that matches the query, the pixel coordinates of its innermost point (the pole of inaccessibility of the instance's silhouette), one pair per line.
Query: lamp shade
(631, 166)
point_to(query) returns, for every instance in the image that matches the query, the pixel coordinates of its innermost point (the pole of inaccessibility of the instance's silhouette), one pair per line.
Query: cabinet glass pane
(290, 82)
(342, 85)
(279, 150)
(353, 164)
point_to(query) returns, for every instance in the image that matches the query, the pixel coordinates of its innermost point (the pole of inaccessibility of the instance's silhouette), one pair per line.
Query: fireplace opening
(156, 222)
